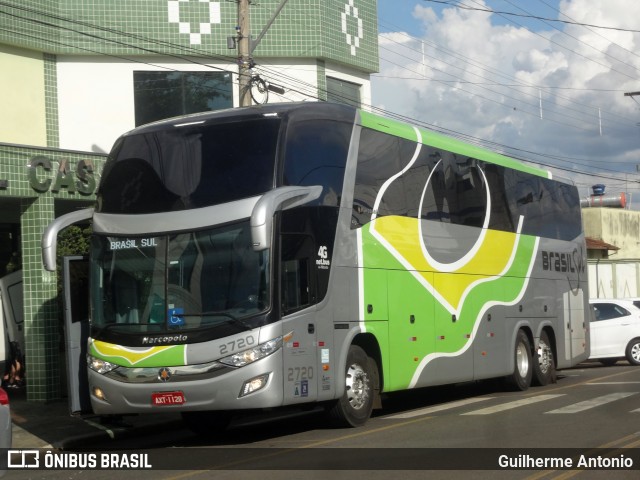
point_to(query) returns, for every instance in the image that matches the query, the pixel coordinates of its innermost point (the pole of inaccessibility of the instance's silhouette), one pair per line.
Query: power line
(501, 147)
(138, 37)
(517, 101)
(590, 108)
(316, 89)
(561, 46)
(579, 40)
(535, 17)
(112, 31)
(119, 42)
(498, 84)
(589, 29)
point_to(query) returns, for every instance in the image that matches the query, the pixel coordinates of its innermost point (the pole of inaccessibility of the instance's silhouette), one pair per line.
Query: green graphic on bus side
(160, 356)
(429, 312)
(436, 140)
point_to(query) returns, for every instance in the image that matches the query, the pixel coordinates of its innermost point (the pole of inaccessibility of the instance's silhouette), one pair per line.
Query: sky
(546, 91)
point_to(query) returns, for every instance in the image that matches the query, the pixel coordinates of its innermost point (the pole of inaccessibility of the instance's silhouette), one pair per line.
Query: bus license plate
(167, 398)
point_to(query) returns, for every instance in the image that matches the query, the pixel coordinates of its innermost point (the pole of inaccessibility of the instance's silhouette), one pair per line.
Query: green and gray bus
(297, 254)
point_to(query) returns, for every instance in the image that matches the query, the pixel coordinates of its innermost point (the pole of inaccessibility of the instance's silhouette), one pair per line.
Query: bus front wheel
(520, 379)
(354, 408)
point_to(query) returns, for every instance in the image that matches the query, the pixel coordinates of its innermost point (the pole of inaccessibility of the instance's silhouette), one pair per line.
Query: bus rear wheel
(544, 365)
(354, 408)
(520, 379)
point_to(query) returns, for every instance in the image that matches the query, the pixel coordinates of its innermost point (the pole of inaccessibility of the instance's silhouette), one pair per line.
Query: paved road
(593, 409)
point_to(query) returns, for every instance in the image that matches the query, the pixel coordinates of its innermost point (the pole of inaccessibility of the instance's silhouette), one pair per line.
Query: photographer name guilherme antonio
(583, 461)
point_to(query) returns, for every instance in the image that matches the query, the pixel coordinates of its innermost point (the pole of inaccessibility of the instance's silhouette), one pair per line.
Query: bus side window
(297, 282)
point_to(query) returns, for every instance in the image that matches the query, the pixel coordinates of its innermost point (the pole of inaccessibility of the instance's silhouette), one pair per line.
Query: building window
(339, 91)
(161, 95)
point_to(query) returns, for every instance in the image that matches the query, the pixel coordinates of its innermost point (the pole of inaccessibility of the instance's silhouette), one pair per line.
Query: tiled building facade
(75, 74)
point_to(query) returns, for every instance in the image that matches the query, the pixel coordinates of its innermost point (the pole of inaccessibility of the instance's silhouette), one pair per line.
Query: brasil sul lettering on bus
(132, 243)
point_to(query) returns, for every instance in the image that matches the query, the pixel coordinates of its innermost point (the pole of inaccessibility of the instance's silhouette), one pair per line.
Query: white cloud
(496, 81)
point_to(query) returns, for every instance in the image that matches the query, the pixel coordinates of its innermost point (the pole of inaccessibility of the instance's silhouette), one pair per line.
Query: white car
(615, 330)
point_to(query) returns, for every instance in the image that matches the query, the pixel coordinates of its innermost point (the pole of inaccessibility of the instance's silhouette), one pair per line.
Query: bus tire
(544, 365)
(206, 423)
(633, 351)
(354, 408)
(520, 379)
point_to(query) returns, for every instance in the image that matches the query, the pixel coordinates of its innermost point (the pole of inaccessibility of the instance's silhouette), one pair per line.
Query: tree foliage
(74, 240)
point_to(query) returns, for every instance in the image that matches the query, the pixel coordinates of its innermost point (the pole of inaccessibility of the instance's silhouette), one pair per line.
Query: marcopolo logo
(164, 339)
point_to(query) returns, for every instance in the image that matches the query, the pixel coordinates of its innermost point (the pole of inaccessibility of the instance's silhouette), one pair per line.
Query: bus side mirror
(282, 198)
(50, 235)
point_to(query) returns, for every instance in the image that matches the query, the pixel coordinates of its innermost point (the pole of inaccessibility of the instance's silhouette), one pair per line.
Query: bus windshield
(181, 281)
(192, 166)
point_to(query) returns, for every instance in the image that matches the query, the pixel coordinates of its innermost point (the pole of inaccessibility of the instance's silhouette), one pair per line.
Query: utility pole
(246, 47)
(631, 94)
(244, 53)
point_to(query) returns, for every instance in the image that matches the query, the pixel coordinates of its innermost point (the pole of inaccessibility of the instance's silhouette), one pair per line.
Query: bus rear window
(179, 168)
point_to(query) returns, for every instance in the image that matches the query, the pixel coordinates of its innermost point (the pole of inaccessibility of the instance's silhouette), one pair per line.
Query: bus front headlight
(99, 365)
(246, 357)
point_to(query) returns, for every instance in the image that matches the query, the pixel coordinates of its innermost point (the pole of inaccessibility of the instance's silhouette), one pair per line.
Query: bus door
(575, 319)
(297, 301)
(75, 281)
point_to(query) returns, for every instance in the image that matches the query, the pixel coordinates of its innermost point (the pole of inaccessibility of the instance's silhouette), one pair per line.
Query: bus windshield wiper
(231, 318)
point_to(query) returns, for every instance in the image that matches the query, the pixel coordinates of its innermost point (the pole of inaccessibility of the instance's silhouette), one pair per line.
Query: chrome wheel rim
(522, 360)
(357, 383)
(635, 352)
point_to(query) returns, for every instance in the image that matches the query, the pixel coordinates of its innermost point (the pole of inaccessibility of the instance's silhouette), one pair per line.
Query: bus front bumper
(253, 386)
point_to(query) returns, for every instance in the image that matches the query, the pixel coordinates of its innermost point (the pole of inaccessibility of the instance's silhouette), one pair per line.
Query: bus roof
(434, 139)
(347, 113)
(302, 109)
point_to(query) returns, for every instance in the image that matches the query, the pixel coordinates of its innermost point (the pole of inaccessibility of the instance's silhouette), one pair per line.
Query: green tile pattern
(30, 24)
(37, 209)
(42, 326)
(325, 29)
(350, 33)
